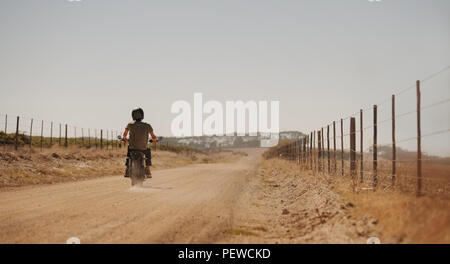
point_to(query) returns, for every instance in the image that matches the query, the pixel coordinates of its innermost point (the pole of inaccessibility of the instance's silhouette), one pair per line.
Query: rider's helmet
(137, 114)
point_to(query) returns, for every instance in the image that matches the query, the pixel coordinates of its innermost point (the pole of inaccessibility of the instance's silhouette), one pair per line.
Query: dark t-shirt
(138, 135)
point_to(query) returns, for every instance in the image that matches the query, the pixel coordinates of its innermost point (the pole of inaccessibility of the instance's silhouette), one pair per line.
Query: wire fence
(18, 132)
(385, 148)
(25, 133)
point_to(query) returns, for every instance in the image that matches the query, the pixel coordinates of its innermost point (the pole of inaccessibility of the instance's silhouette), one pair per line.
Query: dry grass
(404, 218)
(55, 165)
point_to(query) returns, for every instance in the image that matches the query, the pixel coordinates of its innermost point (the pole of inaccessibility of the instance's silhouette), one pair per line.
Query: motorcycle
(136, 168)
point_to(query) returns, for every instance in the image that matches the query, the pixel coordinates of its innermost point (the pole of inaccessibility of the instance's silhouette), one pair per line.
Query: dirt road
(191, 204)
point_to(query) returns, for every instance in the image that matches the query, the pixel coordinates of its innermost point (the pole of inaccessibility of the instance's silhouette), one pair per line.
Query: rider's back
(139, 134)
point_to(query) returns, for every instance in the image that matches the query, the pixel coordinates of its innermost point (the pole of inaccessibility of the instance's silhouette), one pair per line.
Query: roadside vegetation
(31, 166)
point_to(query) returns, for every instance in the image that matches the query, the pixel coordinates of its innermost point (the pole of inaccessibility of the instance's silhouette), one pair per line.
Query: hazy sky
(90, 62)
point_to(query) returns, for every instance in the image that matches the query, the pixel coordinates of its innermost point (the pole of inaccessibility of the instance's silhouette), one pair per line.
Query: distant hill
(206, 142)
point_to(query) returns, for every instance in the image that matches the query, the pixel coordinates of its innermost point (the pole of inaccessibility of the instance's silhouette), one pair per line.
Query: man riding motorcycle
(139, 132)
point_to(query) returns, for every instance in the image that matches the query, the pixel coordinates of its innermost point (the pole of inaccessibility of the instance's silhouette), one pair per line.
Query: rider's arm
(153, 136)
(125, 134)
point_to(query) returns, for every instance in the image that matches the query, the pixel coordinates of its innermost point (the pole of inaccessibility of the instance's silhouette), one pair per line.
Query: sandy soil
(282, 204)
(240, 202)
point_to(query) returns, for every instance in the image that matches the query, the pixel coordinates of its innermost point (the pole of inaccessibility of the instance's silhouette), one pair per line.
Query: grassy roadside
(55, 165)
(403, 218)
(399, 217)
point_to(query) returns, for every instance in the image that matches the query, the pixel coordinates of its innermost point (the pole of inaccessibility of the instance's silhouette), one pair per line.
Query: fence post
(101, 138)
(361, 144)
(319, 153)
(107, 139)
(314, 151)
(96, 139)
(334, 146)
(352, 148)
(82, 137)
(31, 132)
(394, 150)
(328, 147)
(342, 147)
(419, 144)
(323, 149)
(6, 134)
(42, 133)
(374, 147)
(66, 144)
(310, 151)
(305, 149)
(304, 152)
(51, 134)
(17, 134)
(60, 134)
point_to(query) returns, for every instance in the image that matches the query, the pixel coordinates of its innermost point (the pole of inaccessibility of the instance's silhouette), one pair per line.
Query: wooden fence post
(304, 152)
(323, 149)
(17, 134)
(306, 146)
(394, 149)
(31, 132)
(419, 143)
(374, 148)
(51, 134)
(314, 151)
(60, 134)
(319, 153)
(310, 151)
(352, 148)
(6, 133)
(361, 144)
(334, 146)
(342, 147)
(101, 138)
(82, 137)
(66, 143)
(42, 133)
(328, 147)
